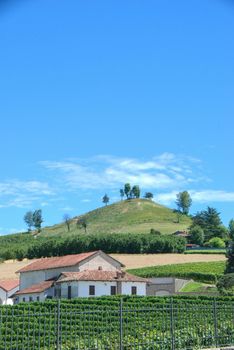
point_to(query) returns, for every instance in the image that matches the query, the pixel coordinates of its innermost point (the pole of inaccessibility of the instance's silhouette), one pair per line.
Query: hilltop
(127, 216)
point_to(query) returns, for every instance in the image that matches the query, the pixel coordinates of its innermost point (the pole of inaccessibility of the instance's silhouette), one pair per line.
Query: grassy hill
(128, 216)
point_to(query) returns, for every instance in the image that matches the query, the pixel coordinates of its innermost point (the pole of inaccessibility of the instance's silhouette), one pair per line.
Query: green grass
(206, 251)
(197, 287)
(128, 216)
(206, 272)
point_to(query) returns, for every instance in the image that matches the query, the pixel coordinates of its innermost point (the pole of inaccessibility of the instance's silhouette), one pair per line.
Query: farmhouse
(80, 275)
(7, 289)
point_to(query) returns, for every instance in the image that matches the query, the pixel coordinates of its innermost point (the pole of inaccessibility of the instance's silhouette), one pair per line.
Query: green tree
(183, 202)
(28, 218)
(127, 190)
(37, 219)
(136, 192)
(230, 258)
(197, 235)
(231, 229)
(121, 191)
(83, 223)
(149, 195)
(67, 220)
(105, 199)
(225, 285)
(209, 220)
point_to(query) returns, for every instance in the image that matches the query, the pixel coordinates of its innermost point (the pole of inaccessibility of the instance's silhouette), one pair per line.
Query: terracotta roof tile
(8, 285)
(36, 288)
(99, 275)
(56, 262)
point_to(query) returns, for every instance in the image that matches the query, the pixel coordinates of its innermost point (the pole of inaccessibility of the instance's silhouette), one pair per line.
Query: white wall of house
(29, 278)
(5, 297)
(26, 297)
(127, 288)
(81, 288)
(100, 260)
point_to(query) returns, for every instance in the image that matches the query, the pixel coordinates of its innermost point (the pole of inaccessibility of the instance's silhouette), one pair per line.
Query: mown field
(206, 272)
(142, 323)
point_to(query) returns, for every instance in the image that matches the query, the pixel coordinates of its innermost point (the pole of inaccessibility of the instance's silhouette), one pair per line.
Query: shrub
(216, 242)
(225, 284)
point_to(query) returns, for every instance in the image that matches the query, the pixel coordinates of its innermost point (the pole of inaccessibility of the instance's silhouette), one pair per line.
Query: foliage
(121, 191)
(127, 190)
(183, 202)
(37, 219)
(155, 232)
(216, 242)
(231, 229)
(230, 256)
(82, 222)
(67, 219)
(105, 199)
(118, 243)
(149, 323)
(197, 235)
(149, 195)
(209, 220)
(206, 272)
(225, 284)
(135, 192)
(28, 218)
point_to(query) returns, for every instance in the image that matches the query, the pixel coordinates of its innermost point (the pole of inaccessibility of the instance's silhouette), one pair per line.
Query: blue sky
(94, 94)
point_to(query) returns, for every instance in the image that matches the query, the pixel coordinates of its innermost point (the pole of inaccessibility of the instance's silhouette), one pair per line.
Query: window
(30, 298)
(134, 290)
(113, 290)
(24, 300)
(91, 290)
(69, 292)
(38, 298)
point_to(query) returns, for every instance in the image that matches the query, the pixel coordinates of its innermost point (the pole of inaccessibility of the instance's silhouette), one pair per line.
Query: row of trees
(128, 192)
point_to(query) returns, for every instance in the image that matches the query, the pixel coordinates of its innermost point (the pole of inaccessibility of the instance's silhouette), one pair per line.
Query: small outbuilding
(7, 289)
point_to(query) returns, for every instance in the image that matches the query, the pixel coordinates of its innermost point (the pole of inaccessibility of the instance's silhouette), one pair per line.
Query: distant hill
(128, 216)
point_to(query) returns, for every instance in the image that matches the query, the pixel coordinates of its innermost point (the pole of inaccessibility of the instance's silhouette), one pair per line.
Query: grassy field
(131, 261)
(128, 216)
(197, 287)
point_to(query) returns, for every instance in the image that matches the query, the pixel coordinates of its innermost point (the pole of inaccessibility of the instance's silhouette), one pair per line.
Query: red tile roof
(56, 262)
(99, 275)
(8, 285)
(36, 288)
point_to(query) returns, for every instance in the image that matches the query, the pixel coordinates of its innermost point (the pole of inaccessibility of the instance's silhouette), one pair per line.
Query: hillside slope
(129, 216)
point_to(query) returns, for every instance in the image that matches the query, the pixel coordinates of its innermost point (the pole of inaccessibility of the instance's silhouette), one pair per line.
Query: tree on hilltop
(67, 220)
(37, 219)
(127, 190)
(183, 202)
(105, 199)
(149, 195)
(135, 191)
(121, 191)
(28, 218)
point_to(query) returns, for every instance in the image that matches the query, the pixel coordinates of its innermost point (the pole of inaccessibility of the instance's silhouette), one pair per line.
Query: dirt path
(8, 269)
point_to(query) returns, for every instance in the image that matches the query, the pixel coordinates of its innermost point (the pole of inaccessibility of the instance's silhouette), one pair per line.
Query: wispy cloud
(161, 172)
(205, 196)
(21, 194)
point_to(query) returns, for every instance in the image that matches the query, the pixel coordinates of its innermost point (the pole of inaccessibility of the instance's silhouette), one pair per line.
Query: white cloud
(107, 172)
(204, 196)
(21, 194)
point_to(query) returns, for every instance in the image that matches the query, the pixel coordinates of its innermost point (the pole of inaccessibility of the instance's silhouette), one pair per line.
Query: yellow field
(8, 269)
